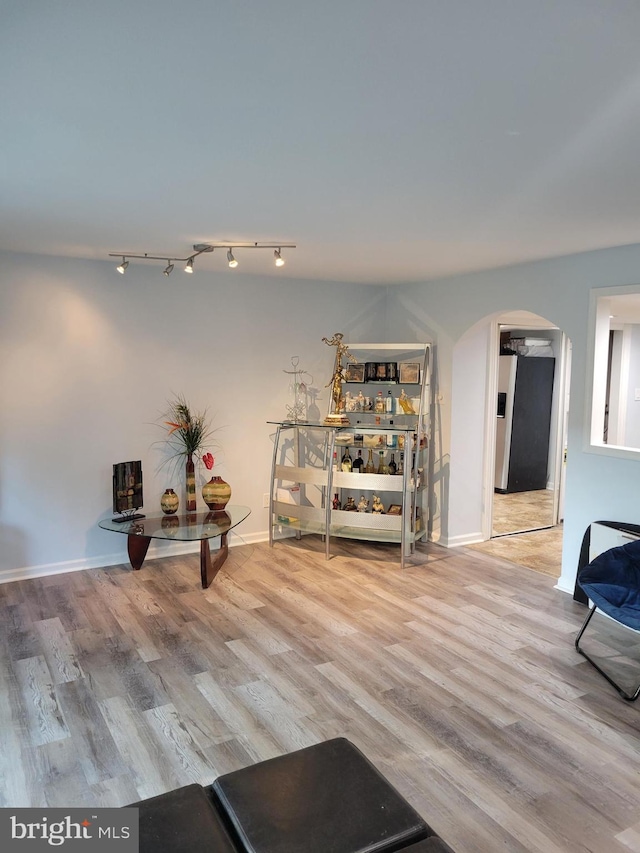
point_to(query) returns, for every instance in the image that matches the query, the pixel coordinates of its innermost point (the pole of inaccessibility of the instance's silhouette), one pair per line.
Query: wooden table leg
(209, 568)
(137, 546)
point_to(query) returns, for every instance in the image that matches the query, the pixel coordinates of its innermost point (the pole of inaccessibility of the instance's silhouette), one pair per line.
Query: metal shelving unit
(303, 479)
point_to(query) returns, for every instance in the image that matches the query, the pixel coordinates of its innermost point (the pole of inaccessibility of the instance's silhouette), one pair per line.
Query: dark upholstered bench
(327, 798)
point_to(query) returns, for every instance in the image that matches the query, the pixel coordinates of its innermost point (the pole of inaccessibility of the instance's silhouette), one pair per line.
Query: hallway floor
(520, 511)
(540, 550)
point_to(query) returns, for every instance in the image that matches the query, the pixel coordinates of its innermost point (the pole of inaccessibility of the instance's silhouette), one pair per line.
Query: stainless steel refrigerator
(525, 395)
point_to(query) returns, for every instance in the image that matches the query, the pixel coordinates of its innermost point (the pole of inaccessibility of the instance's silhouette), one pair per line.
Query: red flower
(208, 460)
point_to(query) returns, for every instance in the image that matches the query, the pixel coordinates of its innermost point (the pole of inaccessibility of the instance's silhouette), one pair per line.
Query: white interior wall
(632, 389)
(88, 359)
(471, 363)
(598, 486)
(617, 395)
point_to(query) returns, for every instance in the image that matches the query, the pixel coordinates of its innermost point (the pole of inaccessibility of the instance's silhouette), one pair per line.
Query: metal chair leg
(630, 697)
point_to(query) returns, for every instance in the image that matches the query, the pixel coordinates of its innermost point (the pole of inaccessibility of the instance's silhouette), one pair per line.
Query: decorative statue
(405, 404)
(363, 505)
(377, 505)
(336, 416)
(350, 505)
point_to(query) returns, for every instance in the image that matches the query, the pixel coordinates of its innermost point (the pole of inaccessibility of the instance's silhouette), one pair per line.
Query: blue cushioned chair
(612, 583)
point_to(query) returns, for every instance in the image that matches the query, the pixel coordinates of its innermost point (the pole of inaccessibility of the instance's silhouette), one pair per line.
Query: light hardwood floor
(456, 676)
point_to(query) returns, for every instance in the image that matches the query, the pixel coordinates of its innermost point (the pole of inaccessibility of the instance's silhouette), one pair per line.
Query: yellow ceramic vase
(216, 493)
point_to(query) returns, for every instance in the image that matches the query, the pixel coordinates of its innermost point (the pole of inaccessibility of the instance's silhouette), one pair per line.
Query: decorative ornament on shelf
(336, 416)
(405, 404)
(189, 434)
(297, 413)
(216, 493)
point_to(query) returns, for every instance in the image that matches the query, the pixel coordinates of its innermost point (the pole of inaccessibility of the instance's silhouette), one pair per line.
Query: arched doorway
(475, 442)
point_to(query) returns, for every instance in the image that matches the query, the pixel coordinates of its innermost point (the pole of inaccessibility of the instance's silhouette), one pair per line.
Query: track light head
(189, 266)
(278, 256)
(168, 269)
(123, 266)
(232, 261)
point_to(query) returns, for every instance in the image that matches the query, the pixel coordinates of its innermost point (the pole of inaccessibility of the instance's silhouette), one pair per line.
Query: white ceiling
(392, 140)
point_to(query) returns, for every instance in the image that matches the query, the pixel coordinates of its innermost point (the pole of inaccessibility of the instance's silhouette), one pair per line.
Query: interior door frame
(489, 461)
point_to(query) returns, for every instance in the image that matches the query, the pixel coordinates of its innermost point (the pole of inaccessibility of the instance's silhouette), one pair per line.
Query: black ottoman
(182, 820)
(327, 798)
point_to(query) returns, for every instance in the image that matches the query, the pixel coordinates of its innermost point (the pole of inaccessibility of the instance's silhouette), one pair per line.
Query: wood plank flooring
(456, 676)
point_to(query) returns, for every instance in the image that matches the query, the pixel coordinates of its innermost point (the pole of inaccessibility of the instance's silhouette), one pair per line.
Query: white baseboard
(564, 587)
(157, 549)
(463, 539)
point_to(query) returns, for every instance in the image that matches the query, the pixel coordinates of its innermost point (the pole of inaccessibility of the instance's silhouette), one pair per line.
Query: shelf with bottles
(363, 400)
(378, 460)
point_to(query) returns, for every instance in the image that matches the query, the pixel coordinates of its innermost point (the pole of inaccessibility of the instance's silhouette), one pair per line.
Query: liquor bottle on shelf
(358, 463)
(392, 465)
(382, 468)
(388, 403)
(369, 468)
(336, 501)
(401, 464)
(335, 460)
(380, 407)
(347, 461)
(392, 439)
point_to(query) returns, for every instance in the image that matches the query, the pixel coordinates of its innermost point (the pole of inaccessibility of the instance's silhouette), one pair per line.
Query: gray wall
(88, 359)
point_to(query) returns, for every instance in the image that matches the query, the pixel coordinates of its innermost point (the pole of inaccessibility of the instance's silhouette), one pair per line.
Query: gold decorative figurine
(337, 417)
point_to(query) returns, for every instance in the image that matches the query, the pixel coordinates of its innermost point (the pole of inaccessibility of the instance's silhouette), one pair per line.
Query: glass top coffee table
(185, 527)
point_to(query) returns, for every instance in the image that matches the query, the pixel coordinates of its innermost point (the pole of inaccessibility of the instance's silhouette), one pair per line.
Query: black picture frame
(127, 487)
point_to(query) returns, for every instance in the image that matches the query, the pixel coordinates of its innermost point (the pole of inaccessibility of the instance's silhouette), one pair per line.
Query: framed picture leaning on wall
(409, 373)
(354, 373)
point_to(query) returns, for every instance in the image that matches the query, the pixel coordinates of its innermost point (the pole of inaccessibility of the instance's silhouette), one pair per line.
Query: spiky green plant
(189, 433)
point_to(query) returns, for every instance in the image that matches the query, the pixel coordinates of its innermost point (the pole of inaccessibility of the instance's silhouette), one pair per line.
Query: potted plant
(189, 435)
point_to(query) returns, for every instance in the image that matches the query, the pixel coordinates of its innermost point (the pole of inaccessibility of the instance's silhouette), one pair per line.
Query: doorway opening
(530, 418)
(527, 412)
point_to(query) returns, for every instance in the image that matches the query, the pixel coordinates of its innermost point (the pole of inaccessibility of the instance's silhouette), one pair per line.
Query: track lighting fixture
(204, 248)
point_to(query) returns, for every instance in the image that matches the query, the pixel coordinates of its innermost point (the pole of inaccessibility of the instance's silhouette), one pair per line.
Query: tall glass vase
(191, 484)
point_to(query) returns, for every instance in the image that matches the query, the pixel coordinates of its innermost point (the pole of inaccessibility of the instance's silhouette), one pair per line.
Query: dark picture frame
(395, 509)
(409, 373)
(127, 488)
(354, 373)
